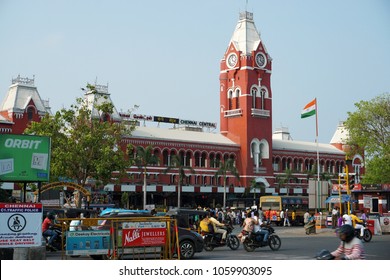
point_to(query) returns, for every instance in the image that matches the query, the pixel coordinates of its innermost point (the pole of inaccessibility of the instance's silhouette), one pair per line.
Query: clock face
(231, 60)
(261, 60)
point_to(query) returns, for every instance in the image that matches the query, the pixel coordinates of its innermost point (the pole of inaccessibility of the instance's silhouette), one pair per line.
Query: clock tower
(246, 100)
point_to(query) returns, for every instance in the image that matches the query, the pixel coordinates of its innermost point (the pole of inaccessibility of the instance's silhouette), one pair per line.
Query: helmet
(348, 231)
(51, 215)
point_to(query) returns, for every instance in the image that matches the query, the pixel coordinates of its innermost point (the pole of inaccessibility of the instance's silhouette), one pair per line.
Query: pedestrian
(293, 217)
(306, 217)
(261, 216)
(281, 215)
(335, 216)
(286, 219)
(268, 215)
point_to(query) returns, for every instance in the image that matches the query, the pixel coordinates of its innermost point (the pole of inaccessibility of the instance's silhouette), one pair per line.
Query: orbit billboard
(24, 158)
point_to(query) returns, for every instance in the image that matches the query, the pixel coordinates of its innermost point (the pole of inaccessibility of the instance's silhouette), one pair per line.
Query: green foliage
(369, 128)
(142, 157)
(227, 166)
(84, 145)
(125, 200)
(285, 178)
(377, 170)
(177, 162)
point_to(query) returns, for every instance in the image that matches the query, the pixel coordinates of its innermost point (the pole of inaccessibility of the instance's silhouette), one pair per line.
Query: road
(296, 245)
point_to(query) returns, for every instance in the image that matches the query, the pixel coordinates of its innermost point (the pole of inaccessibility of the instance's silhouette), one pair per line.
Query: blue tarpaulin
(336, 199)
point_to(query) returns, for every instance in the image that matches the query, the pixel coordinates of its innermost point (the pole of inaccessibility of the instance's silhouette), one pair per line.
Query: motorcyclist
(217, 225)
(357, 223)
(351, 247)
(258, 228)
(47, 230)
(205, 224)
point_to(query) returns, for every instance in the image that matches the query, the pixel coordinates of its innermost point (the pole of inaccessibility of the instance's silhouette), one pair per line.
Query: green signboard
(24, 158)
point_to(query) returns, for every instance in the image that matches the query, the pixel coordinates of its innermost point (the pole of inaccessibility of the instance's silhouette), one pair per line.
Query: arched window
(30, 113)
(263, 95)
(203, 160)
(237, 96)
(165, 158)
(254, 93)
(197, 159)
(230, 99)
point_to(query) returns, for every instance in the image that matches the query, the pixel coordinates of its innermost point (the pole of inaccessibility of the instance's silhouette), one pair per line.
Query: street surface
(296, 245)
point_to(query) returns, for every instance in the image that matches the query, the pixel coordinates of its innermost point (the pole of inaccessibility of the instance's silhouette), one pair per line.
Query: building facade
(263, 156)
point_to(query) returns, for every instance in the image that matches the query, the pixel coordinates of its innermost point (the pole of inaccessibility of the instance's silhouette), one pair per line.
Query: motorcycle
(57, 242)
(213, 240)
(251, 241)
(367, 235)
(324, 255)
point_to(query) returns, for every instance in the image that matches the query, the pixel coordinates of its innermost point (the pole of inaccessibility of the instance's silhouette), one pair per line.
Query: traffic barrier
(124, 237)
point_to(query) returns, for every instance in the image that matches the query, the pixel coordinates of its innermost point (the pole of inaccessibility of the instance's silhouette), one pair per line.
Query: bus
(299, 204)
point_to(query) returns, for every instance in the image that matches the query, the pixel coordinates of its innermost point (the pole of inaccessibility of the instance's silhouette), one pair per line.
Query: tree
(285, 178)
(83, 145)
(255, 186)
(143, 158)
(369, 128)
(125, 200)
(178, 163)
(226, 167)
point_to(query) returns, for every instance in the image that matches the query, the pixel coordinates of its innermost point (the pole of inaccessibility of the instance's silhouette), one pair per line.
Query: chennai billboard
(24, 158)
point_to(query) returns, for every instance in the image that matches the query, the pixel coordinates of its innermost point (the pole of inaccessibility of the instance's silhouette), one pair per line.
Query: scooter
(251, 241)
(213, 240)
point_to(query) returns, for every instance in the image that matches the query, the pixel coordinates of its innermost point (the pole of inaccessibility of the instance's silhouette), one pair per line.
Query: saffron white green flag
(309, 110)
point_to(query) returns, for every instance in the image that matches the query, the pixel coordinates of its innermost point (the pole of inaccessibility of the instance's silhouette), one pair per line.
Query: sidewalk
(299, 231)
(295, 231)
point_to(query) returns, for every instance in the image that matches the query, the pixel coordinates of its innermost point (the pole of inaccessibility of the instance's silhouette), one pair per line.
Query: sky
(164, 55)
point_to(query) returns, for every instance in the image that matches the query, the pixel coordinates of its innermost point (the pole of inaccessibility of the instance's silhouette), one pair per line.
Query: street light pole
(340, 202)
(347, 149)
(347, 183)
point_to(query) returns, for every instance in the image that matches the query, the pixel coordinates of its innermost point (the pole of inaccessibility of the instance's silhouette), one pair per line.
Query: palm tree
(226, 167)
(254, 186)
(143, 158)
(285, 178)
(178, 163)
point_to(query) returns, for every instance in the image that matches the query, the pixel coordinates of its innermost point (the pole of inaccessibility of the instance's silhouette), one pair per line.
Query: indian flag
(310, 109)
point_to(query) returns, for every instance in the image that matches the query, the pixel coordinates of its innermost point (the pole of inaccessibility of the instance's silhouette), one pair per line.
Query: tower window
(263, 94)
(254, 96)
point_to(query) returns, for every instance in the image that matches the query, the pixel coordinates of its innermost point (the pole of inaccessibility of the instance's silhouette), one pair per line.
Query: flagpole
(318, 161)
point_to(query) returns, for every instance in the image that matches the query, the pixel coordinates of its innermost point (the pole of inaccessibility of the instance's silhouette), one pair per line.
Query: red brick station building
(246, 135)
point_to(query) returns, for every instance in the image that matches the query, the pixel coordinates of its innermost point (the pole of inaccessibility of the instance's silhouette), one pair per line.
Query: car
(187, 218)
(69, 212)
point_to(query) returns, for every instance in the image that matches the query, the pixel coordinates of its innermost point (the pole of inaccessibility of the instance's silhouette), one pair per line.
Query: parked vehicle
(251, 241)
